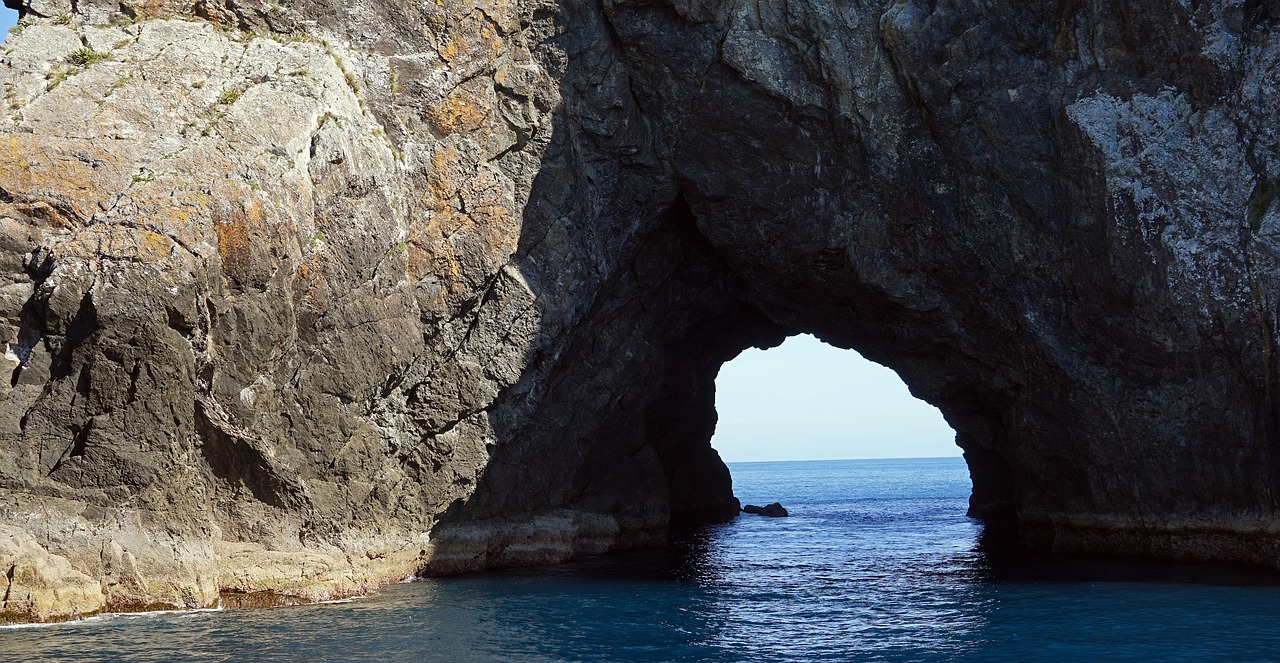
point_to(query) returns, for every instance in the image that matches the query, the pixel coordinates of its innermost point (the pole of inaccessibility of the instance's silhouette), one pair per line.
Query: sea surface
(877, 563)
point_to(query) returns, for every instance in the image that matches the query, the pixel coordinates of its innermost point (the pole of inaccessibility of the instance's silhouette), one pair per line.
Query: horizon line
(813, 460)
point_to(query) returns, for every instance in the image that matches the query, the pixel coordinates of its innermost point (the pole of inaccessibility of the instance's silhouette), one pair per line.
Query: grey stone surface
(301, 298)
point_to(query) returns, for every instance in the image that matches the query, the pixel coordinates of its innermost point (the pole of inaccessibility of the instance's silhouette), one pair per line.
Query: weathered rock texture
(304, 297)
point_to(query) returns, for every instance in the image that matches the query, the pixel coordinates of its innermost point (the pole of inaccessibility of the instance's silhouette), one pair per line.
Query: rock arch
(1065, 260)
(430, 288)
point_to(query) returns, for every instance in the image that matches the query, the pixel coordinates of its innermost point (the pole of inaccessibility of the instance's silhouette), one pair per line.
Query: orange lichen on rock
(471, 35)
(442, 188)
(56, 185)
(118, 242)
(467, 212)
(427, 252)
(418, 259)
(462, 110)
(39, 213)
(490, 203)
(238, 225)
(311, 284)
(179, 213)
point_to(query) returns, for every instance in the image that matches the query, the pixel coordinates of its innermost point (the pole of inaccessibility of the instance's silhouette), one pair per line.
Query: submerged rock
(297, 299)
(774, 510)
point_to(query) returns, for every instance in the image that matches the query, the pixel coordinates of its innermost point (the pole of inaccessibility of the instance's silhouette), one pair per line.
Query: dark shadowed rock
(774, 510)
(301, 298)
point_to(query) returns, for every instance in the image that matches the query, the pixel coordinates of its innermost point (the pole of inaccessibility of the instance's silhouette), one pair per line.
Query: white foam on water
(111, 616)
(349, 599)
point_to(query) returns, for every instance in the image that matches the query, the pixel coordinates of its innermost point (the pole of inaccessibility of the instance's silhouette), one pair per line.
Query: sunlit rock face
(301, 298)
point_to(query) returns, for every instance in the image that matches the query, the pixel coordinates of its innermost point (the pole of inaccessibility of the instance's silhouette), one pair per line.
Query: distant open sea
(877, 563)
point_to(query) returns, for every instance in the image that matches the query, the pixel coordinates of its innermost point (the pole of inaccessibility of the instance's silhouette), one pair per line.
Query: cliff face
(302, 298)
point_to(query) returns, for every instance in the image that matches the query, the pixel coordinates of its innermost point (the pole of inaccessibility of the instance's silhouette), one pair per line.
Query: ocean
(876, 563)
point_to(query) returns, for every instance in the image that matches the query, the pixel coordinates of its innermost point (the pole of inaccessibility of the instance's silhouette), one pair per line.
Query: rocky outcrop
(302, 298)
(774, 510)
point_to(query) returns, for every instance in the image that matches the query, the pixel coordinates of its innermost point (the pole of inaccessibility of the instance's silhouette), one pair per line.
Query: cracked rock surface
(302, 298)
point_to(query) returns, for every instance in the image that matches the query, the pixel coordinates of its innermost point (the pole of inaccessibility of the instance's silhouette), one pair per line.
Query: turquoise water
(877, 563)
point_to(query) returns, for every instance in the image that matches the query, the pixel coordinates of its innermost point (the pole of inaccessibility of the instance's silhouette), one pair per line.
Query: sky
(806, 400)
(7, 18)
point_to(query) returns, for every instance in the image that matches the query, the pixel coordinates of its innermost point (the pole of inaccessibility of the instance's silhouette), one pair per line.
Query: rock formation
(774, 510)
(304, 297)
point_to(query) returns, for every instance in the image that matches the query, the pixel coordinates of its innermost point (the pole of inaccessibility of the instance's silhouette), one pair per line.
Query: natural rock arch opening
(856, 184)
(806, 400)
(632, 405)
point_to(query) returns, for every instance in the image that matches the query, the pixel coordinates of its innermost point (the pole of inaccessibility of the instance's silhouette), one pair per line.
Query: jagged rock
(39, 585)
(301, 298)
(775, 510)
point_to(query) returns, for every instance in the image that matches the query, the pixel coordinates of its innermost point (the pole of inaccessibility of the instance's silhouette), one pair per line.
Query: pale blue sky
(806, 400)
(7, 18)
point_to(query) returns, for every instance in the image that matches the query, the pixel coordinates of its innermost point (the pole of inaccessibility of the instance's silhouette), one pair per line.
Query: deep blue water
(878, 563)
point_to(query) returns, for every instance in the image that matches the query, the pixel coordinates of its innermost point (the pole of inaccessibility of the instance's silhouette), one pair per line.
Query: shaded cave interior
(698, 479)
(661, 332)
